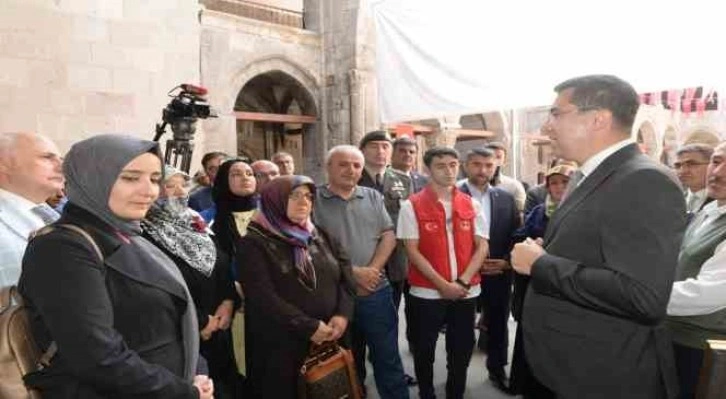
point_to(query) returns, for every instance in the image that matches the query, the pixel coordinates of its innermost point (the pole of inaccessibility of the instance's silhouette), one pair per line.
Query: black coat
(596, 301)
(281, 313)
(117, 324)
(207, 292)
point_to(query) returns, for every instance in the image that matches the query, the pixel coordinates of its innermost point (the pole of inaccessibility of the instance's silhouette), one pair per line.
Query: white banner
(450, 57)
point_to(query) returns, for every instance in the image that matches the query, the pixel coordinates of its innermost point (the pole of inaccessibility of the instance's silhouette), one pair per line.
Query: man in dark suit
(601, 281)
(500, 212)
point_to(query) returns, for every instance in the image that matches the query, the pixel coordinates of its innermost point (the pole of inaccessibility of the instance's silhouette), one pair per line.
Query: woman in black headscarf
(182, 235)
(235, 203)
(298, 287)
(124, 323)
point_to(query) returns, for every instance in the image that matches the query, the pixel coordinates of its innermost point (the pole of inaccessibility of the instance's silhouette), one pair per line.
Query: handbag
(329, 373)
(21, 361)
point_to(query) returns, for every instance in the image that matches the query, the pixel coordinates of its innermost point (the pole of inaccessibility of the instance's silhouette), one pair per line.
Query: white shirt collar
(19, 201)
(712, 209)
(594, 161)
(700, 194)
(472, 189)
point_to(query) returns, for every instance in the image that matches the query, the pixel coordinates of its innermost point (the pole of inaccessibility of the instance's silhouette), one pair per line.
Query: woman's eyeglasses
(297, 196)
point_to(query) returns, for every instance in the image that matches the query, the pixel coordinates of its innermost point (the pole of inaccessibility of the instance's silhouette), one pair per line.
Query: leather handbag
(329, 373)
(20, 356)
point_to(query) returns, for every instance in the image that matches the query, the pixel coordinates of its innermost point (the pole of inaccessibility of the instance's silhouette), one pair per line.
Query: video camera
(188, 104)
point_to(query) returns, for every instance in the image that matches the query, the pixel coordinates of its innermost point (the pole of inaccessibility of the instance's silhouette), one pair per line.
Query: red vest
(432, 241)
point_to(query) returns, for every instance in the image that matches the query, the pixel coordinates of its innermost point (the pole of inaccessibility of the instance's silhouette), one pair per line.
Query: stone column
(445, 135)
(356, 88)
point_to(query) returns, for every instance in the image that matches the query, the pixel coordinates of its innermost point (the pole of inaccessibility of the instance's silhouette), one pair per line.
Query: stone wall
(237, 49)
(69, 69)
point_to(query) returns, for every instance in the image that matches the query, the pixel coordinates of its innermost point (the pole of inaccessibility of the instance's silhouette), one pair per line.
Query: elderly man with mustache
(697, 306)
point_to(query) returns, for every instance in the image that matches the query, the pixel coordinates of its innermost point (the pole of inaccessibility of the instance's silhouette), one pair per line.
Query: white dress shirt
(706, 293)
(485, 202)
(694, 201)
(514, 187)
(594, 161)
(17, 222)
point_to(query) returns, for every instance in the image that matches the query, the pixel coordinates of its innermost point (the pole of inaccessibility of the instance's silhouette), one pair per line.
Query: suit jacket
(596, 300)
(16, 225)
(504, 221)
(396, 188)
(117, 323)
(418, 181)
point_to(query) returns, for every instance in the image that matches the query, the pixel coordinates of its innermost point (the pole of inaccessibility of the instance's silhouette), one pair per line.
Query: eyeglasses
(687, 164)
(556, 113)
(297, 196)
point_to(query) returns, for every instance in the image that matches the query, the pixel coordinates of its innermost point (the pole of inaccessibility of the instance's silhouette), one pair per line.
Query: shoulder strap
(49, 353)
(85, 235)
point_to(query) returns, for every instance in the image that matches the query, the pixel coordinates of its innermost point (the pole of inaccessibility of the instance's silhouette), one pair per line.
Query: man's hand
(224, 313)
(525, 254)
(367, 279)
(451, 290)
(338, 324)
(494, 266)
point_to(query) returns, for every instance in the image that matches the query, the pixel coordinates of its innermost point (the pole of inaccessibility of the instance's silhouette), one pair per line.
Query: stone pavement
(478, 385)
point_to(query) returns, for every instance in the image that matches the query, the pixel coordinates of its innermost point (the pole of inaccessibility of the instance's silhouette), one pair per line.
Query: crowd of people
(152, 283)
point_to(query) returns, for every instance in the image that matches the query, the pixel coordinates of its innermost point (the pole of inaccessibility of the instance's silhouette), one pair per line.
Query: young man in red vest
(445, 239)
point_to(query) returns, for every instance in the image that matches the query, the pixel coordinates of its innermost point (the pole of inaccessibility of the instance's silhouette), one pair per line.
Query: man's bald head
(30, 165)
(265, 171)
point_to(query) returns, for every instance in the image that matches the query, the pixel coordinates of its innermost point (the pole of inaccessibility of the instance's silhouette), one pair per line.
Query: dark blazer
(117, 324)
(504, 222)
(596, 301)
(281, 313)
(418, 181)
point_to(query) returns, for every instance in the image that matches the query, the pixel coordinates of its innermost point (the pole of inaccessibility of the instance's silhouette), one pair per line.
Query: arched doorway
(275, 112)
(670, 146)
(647, 140)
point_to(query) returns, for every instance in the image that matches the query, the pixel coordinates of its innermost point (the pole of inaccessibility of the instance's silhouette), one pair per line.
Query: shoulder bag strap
(49, 353)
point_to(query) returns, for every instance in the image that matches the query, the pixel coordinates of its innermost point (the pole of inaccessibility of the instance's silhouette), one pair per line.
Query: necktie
(46, 213)
(575, 179)
(379, 180)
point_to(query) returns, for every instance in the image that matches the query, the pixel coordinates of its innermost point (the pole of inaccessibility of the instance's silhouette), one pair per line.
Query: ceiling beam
(275, 118)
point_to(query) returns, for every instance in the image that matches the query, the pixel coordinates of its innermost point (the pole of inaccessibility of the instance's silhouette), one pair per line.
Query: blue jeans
(376, 324)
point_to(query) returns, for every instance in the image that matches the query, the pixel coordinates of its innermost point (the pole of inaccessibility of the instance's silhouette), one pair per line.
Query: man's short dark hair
(704, 150)
(496, 145)
(604, 92)
(210, 156)
(437, 152)
(405, 140)
(280, 154)
(479, 151)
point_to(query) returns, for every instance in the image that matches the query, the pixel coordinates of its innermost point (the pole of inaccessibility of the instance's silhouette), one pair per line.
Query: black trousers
(495, 303)
(688, 366)
(426, 318)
